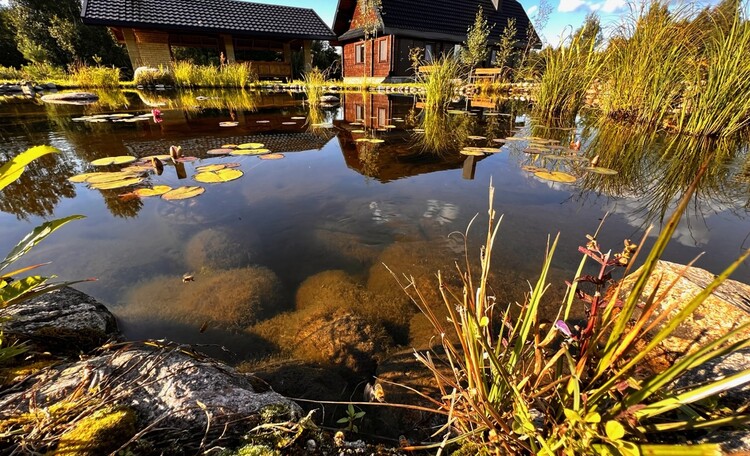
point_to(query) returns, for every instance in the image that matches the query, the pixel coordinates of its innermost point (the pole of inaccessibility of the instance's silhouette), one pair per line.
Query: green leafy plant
(517, 386)
(476, 47)
(12, 288)
(352, 415)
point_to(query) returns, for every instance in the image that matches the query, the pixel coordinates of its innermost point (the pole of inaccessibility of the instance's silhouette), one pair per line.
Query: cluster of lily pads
(256, 149)
(382, 128)
(122, 117)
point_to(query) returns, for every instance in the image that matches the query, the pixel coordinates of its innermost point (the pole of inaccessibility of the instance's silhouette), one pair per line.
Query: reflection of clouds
(441, 211)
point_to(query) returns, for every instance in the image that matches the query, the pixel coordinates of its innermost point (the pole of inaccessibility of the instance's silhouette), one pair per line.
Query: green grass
(445, 76)
(314, 81)
(233, 75)
(96, 76)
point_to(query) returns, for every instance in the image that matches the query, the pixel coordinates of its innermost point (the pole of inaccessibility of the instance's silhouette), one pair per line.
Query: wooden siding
(373, 65)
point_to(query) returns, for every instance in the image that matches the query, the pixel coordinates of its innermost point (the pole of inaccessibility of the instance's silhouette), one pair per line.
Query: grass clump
(440, 78)
(520, 386)
(234, 75)
(314, 81)
(152, 76)
(96, 76)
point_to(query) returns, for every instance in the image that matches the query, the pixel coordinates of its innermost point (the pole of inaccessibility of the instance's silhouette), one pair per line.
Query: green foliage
(519, 386)
(53, 32)
(96, 76)
(506, 48)
(444, 76)
(43, 72)
(9, 54)
(102, 432)
(352, 415)
(235, 75)
(152, 76)
(476, 49)
(314, 81)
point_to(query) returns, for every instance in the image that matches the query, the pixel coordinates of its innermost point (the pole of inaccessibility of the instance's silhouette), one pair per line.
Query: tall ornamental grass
(440, 78)
(96, 76)
(232, 75)
(516, 385)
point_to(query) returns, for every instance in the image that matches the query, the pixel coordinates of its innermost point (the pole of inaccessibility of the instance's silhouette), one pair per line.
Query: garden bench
(491, 75)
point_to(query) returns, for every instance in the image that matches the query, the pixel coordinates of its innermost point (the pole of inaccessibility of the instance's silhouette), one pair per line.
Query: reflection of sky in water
(312, 212)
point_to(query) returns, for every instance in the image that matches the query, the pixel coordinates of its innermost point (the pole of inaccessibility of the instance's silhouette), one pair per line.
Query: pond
(313, 229)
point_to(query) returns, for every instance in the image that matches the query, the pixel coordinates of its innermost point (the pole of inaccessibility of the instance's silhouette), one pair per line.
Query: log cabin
(435, 26)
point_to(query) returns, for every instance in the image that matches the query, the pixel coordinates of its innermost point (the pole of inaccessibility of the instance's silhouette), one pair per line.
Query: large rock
(168, 387)
(726, 309)
(61, 320)
(70, 98)
(214, 248)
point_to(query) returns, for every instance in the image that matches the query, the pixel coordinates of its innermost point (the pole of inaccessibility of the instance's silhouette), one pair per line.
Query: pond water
(314, 228)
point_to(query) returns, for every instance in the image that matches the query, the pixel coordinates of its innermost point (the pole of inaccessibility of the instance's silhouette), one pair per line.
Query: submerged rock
(61, 320)
(232, 298)
(216, 249)
(175, 389)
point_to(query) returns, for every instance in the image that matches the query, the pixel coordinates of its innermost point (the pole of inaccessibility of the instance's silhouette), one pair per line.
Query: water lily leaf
(137, 168)
(532, 168)
(499, 140)
(555, 176)
(288, 123)
(476, 138)
(534, 150)
(356, 124)
(159, 156)
(120, 116)
(377, 140)
(600, 170)
(322, 125)
(222, 175)
(186, 159)
(298, 118)
(271, 157)
(358, 131)
(79, 178)
(262, 121)
(250, 146)
(250, 152)
(119, 160)
(156, 190)
(207, 168)
(491, 150)
(456, 111)
(229, 146)
(418, 130)
(232, 165)
(103, 178)
(185, 192)
(514, 138)
(222, 151)
(362, 140)
(472, 152)
(124, 182)
(556, 157)
(389, 126)
(228, 124)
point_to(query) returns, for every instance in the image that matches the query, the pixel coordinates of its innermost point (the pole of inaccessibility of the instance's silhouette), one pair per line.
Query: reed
(443, 76)
(96, 76)
(314, 81)
(232, 75)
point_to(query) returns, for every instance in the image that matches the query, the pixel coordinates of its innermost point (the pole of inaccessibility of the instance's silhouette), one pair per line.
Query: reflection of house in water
(375, 110)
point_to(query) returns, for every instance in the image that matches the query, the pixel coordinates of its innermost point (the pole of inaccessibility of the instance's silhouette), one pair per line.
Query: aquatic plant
(519, 386)
(314, 81)
(442, 76)
(236, 75)
(96, 76)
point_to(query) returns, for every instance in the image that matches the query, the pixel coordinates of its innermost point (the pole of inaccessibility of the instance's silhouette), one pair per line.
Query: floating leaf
(207, 168)
(229, 146)
(476, 138)
(250, 152)
(499, 140)
(221, 151)
(600, 170)
(271, 157)
(288, 123)
(262, 121)
(298, 118)
(186, 159)
(358, 131)
(491, 150)
(250, 146)
(556, 157)
(136, 169)
(120, 116)
(456, 111)
(475, 153)
(228, 124)
(534, 150)
(514, 138)
(362, 140)
(222, 175)
(125, 182)
(185, 192)
(532, 168)
(79, 178)
(159, 156)
(103, 178)
(156, 190)
(555, 176)
(119, 160)
(389, 126)
(377, 140)
(231, 165)
(418, 130)
(322, 125)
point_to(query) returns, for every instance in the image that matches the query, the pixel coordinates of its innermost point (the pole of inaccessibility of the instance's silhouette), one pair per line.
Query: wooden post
(132, 47)
(228, 48)
(307, 54)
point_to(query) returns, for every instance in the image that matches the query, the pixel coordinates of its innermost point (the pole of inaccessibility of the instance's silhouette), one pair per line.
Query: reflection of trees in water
(39, 189)
(656, 169)
(121, 207)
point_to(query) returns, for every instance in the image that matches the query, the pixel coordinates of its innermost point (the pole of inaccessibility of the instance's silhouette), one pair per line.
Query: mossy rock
(213, 249)
(232, 298)
(100, 433)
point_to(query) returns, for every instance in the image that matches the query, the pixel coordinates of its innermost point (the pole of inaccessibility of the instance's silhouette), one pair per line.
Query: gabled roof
(214, 16)
(446, 20)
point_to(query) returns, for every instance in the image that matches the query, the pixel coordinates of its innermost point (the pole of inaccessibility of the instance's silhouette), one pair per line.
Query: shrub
(43, 72)
(10, 74)
(146, 76)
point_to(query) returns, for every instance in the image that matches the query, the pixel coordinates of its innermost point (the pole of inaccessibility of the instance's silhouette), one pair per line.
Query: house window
(359, 53)
(383, 50)
(429, 52)
(382, 117)
(359, 112)
(457, 50)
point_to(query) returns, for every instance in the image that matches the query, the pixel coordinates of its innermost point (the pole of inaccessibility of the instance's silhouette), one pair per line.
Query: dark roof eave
(181, 28)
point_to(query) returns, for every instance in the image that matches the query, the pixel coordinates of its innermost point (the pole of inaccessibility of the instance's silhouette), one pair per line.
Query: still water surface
(333, 203)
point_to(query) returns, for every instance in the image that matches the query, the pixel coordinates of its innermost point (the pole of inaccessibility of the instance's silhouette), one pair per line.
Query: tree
(9, 55)
(326, 58)
(590, 32)
(506, 47)
(52, 31)
(370, 22)
(476, 48)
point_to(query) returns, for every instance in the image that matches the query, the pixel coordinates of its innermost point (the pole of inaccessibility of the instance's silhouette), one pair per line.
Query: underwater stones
(160, 383)
(61, 320)
(217, 249)
(295, 378)
(229, 298)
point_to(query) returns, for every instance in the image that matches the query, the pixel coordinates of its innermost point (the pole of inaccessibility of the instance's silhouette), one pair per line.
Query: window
(383, 50)
(359, 112)
(457, 50)
(359, 53)
(382, 117)
(429, 51)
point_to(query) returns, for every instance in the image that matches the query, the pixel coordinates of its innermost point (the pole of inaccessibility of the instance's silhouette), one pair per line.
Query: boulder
(726, 309)
(214, 248)
(70, 98)
(61, 320)
(168, 387)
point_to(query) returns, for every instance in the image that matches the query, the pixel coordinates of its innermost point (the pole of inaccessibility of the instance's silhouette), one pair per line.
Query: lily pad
(532, 168)
(228, 124)
(271, 157)
(556, 176)
(491, 150)
(120, 183)
(476, 138)
(250, 146)
(223, 151)
(298, 118)
(377, 140)
(160, 157)
(362, 140)
(456, 111)
(229, 146)
(137, 168)
(418, 130)
(262, 121)
(118, 160)
(389, 126)
(476, 153)
(186, 159)
(250, 152)
(221, 175)
(288, 123)
(358, 131)
(207, 168)
(601, 170)
(322, 125)
(185, 192)
(102, 178)
(499, 140)
(79, 178)
(156, 190)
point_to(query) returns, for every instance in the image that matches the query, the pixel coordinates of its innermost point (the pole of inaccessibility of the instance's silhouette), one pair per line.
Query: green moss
(254, 450)
(11, 373)
(100, 433)
(471, 449)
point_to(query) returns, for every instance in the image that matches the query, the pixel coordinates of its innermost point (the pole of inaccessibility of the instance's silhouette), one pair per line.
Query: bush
(10, 74)
(146, 76)
(43, 72)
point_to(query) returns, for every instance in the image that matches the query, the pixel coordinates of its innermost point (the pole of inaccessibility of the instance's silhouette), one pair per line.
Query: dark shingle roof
(437, 19)
(225, 16)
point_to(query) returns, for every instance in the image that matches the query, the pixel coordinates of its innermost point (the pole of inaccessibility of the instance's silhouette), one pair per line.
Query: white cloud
(611, 6)
(570, 6)
(606, 6)
(532, 10)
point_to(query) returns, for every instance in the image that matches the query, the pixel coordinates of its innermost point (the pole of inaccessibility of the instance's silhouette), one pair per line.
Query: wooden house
(435, 26)
(242, 31)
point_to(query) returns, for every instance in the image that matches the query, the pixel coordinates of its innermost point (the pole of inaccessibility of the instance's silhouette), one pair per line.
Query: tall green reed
(442, 76)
